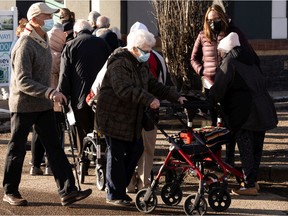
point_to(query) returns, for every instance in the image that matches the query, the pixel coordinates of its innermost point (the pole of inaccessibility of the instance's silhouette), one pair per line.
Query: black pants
(250, 145)
(45, 126)
(212, 110)
(85, 123)
(122, 158)
(37, 148)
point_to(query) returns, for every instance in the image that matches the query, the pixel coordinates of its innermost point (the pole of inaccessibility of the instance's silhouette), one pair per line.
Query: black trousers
(212, 110)
(250, 145)
(45, 126)
(122, 158)
(37, 148)
(85, 124)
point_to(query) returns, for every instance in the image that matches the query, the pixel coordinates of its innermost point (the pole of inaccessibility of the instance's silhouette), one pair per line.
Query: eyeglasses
(217, 19)
(144, 51)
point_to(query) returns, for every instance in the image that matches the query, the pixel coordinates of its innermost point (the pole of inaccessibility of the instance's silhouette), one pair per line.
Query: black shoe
(75, 196)
(15, 200)
(127, 198)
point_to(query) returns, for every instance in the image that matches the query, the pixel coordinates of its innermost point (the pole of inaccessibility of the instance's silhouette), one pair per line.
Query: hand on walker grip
(155, 104)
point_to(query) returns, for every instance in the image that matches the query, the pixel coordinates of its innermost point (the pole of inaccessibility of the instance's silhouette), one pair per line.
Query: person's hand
(181, 100)
(155, 104)
(60, 98)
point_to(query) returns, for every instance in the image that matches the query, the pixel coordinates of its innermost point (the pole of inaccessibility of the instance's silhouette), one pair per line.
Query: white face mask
(48, 25)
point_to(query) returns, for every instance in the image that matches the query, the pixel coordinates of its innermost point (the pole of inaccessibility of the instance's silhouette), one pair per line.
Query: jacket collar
(30, 31)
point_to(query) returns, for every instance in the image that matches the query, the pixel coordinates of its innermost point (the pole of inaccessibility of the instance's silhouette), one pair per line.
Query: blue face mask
(48, 25)
(143, 57)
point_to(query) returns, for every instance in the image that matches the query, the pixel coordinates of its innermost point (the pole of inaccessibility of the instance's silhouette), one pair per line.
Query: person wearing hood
(127, 90)
(31, 103)
(142, 176)
(248, 109)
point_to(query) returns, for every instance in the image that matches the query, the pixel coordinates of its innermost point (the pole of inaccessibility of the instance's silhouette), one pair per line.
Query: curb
(273, 173)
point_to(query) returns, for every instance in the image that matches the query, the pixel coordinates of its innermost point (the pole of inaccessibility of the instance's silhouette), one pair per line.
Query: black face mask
(216, 26)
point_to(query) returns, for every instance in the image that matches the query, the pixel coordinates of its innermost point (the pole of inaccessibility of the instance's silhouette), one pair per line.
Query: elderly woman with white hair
(127, 90)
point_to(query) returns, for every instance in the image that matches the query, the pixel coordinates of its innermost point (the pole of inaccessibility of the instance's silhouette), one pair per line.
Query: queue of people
(54, 65)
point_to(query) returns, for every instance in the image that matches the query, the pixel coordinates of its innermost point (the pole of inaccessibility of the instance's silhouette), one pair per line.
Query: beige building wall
(112, 10)
(80, 8)
(6, 5)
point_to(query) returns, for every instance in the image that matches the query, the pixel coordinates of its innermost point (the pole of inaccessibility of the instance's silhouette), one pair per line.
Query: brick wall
(274, 62)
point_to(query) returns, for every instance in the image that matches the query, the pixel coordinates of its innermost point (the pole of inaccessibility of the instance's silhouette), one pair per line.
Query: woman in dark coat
(247, 106)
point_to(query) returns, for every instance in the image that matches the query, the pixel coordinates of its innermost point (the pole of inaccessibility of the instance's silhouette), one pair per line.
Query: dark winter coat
(110, 37)
(240, 88)
(81, 60)
(127, 89)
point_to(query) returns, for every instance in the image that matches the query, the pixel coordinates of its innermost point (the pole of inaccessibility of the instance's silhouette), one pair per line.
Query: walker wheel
(100, 178)
(192, 208)
(145, 206)
(171, 194)
(210, 182)
(219, 199)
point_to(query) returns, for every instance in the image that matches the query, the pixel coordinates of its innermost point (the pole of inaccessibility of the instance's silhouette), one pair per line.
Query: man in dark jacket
(248, 108)
(103, 31)
(81, 60)
(127, 89)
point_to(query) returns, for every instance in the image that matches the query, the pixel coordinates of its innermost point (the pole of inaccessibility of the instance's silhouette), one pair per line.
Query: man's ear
(35, 22)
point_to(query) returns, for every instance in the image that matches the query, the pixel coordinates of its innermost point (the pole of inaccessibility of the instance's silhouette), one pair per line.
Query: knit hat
(137, 25)
(229, 42)
(39, 8)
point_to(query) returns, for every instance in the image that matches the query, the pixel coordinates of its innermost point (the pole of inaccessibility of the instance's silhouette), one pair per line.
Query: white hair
(103, 22)
(81, 25)
(140, 37)
(93, 15)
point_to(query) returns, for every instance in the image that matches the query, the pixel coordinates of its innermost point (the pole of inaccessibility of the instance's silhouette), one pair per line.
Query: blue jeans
(122, 158)
(45, 126)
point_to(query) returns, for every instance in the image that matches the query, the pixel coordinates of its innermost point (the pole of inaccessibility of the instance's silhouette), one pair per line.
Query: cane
(65, 109)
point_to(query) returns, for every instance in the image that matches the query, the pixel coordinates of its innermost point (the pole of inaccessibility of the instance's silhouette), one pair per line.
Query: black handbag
(150, 118)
